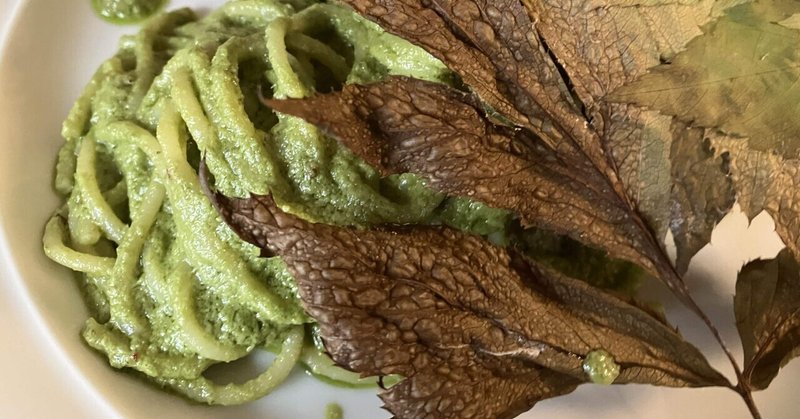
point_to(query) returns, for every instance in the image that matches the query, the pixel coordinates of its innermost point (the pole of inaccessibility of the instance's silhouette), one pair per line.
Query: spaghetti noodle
(171, 289)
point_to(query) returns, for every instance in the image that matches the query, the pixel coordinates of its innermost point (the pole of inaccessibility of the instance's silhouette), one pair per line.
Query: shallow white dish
(50, 51)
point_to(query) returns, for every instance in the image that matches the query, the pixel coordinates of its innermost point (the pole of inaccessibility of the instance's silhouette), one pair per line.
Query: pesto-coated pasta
(171, 290)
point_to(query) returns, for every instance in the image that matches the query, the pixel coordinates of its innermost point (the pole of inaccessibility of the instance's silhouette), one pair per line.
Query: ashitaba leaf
(584, 51)
(407, 125)
(673, 181)
(476, 330)
(606, 174)
(767, 309)
(766, 181)
(741, 76)
(767, 302)
(607, 122)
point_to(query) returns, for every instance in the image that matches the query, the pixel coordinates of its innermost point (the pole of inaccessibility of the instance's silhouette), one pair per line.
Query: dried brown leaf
(423, 26)
(407, 125)
(702, 191)
(445, 309)
(601, 47)
(767, 307)
(555, 62)
(527, 78)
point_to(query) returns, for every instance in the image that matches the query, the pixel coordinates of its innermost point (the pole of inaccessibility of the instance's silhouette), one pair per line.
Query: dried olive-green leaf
(602, 46)
(741, 76)
(792, 22)
(765, 181)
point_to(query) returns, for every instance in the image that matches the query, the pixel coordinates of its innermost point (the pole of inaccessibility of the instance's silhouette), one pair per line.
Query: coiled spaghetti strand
(121, 281)
(287, 84)
(193, 333)
(77, 121)
(86, 182)
(242, 144)
(53, 240)
(196, 223)
(146, 64)
(251, 12)
(203, 133)
(137, 154)
(203, 389)
(320, 52)
(122, 352)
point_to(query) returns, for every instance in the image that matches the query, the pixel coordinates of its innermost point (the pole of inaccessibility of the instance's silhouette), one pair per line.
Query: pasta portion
(171, 290)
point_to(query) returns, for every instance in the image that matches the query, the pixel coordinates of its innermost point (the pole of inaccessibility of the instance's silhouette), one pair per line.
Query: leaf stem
(747, 395)
(679, 288)
(742, 387)
(689, 301)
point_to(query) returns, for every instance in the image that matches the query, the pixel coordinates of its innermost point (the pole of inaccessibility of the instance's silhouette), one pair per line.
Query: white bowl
(51, 49)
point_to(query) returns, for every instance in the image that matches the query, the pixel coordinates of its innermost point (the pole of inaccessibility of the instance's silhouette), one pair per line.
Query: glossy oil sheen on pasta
(170, 288)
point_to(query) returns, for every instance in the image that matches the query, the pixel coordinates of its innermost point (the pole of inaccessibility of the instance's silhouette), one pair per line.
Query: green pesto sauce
(126, 11)
(333, 411)
(600, 367)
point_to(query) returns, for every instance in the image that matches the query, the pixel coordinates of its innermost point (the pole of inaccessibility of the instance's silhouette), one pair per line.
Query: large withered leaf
(407, 125)
(445, 309)
(502, 33)
(741, 76)
(767, 306)
(765, 181)
(555, 62)
(601, 47)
